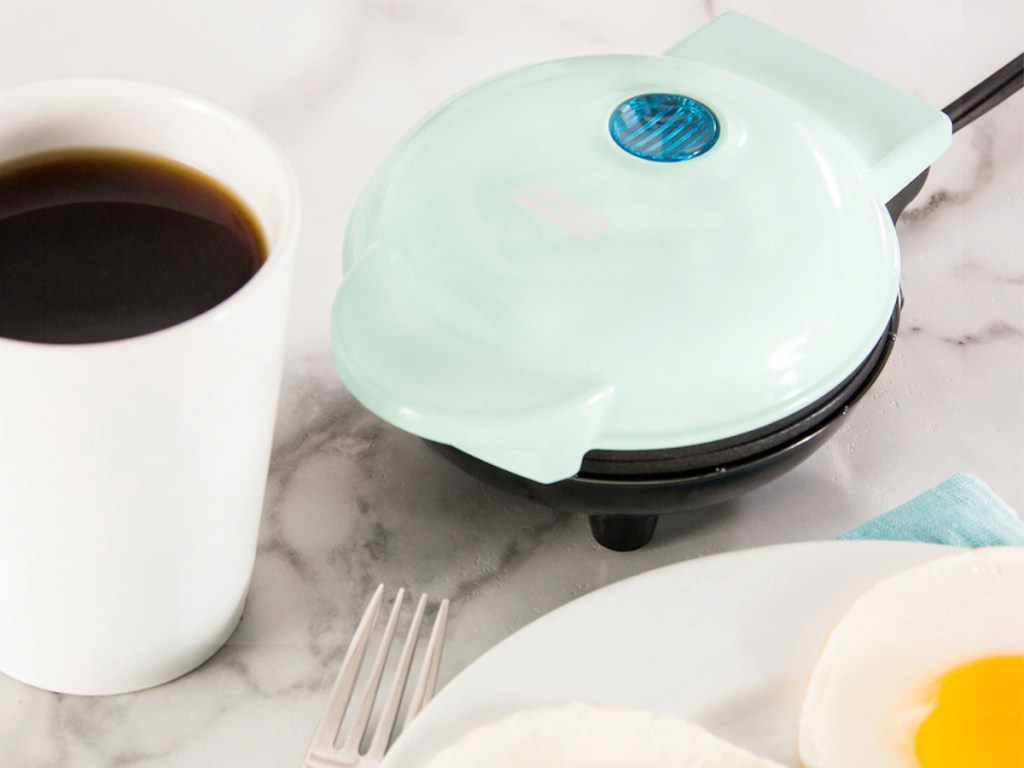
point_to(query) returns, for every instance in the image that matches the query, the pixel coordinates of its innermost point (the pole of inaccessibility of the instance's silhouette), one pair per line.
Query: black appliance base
(625, 492)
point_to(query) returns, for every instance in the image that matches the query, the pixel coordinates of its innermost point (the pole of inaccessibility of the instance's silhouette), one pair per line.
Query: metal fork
(322, 752)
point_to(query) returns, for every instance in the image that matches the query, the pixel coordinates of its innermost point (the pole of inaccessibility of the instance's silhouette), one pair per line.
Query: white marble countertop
(352, 502)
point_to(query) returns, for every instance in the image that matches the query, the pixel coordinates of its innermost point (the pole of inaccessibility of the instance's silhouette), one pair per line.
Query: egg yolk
(978, 719)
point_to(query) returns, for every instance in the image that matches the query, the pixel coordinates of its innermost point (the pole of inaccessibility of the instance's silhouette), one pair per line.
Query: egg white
(872, 684)
(585, 736)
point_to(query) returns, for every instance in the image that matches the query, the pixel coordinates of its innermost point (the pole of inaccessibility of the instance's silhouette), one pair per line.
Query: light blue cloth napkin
(961, 512)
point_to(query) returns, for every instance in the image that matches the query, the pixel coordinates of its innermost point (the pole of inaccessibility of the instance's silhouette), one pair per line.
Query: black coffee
(97, 245)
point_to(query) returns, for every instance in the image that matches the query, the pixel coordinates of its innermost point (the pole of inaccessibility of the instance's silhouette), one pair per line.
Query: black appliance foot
(623, 533)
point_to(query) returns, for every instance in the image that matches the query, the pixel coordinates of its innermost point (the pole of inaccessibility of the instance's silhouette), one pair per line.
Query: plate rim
(397, 757)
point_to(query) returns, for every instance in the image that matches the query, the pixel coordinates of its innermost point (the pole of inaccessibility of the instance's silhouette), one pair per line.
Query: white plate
(726, 641)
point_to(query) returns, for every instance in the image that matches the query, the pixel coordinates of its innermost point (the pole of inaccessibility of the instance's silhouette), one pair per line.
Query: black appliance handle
(994, 89)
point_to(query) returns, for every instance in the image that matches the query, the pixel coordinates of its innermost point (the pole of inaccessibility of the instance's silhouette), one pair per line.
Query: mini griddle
(646, 284)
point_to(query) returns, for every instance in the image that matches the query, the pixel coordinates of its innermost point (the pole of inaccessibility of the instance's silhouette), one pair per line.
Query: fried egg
(925, 670)
(586, 736)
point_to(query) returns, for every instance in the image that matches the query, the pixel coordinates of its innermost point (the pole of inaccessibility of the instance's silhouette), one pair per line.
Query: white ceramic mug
(132, 472)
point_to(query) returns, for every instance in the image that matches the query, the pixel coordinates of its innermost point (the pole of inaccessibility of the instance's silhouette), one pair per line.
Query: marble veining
(352, 502)
(940, 198)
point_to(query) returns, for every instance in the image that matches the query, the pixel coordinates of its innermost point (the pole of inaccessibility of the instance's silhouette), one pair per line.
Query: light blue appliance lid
(630, 252)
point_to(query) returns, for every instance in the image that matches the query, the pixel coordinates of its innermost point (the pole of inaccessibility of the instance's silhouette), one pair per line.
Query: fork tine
(322, 752)
(386, 724)
(327, 729)
(355, 736)
(427, 679)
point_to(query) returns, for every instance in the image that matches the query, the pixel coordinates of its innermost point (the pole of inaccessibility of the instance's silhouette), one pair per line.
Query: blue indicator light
(664, 127)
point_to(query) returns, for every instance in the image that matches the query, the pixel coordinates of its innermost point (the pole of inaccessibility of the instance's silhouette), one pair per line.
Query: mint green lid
(522, 284)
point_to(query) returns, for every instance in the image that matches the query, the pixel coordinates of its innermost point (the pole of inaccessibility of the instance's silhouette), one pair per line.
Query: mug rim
(277, 249)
